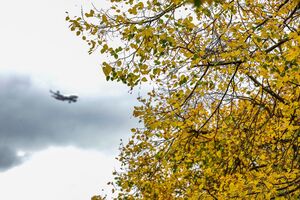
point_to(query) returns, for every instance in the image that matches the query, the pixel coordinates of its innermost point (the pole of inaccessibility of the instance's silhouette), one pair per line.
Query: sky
(48, 148)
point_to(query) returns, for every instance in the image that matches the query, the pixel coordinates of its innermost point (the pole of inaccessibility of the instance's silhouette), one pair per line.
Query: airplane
(57, 95)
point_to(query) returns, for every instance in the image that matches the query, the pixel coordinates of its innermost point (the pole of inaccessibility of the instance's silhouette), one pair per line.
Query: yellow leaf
(107, 69)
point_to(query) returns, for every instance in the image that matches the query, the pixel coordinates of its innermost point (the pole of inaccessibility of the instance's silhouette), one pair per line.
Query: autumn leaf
(221, 119)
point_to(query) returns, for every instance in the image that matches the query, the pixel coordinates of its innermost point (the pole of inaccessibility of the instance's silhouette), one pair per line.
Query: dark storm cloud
(8, 158)
(31, 120)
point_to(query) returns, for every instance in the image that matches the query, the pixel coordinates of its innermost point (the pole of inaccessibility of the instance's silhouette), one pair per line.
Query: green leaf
(197, 3)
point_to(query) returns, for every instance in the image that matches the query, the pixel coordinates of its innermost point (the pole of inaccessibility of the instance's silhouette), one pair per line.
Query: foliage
(98, 198)
(223, 118)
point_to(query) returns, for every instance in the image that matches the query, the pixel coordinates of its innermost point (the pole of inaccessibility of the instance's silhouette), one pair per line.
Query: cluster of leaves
(223, 119)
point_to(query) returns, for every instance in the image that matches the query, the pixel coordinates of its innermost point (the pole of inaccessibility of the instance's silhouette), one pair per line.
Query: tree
(223, 118)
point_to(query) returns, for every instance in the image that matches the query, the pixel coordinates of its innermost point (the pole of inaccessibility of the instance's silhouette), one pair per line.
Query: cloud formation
(8, 158)
(31, 120)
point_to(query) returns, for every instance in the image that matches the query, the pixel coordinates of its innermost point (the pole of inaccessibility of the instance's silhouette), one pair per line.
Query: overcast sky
(48, 148)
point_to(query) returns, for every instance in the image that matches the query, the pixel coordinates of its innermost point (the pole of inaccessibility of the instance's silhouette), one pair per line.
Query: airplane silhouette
(58, 96)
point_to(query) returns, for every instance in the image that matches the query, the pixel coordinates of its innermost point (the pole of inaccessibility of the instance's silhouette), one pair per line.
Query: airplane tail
(57, 92)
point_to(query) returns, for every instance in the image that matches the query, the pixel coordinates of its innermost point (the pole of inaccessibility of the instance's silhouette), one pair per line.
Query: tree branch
(266, 89)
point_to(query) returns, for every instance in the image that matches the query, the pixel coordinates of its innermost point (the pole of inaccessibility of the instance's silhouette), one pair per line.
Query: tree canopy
(223, 118)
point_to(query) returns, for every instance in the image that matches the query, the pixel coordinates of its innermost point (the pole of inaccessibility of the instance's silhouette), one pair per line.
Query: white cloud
(59, 173)
(35, 40)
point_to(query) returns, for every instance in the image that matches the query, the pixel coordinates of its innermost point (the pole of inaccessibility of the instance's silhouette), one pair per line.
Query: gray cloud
(8, 158)
(31, 120)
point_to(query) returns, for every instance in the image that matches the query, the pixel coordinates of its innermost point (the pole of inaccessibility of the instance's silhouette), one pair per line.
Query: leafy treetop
(223, 118)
